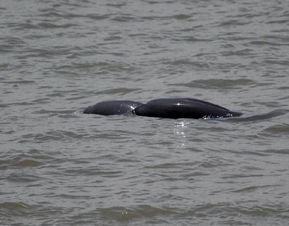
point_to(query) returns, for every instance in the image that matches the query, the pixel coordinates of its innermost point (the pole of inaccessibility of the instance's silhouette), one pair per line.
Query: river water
(61, 167)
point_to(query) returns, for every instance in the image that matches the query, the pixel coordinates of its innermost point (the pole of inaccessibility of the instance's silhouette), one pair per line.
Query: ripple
(33, 159)
(53, 135)
(28, 163)
(277, 130)
(120, 213)
(14, 208)
(266, 116)
(53, 25)
(266, 43)
(217, 209)
(252, 188)
(22, 178)
(264, 211)
(13, 205)
(199, 64)
(121, 91)
(64, 168)
(217, 83)
(283, 151)
(8, 44)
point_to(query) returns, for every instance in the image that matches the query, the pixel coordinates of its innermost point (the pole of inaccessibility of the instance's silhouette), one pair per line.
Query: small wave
(277, 130)
(13, 205)
(46, 25)
(233, 22)
(217, 209)
(182, 16)
(23, 178)
(14, 209)
(261, 211)
(120, 213)
(22, 160)
(248, 189)
(217, 83)
(28, 163)
(283, 151)
(125, 18)
(267, 43)
(199, 64)
(52, 135)
(121, 91)
(272, 114)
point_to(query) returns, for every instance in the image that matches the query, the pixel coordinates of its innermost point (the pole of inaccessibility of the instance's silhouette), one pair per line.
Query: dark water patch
(217, 83)
(121, 91)
(277, 37)
(59, 93)
(277, 62)
(182, 16)
(100, 67)
(14, 208)
(110, 136)
(117, 5)
(125, 18)
(265, 43)
(233, 22)
(194, 149)
(4, 67)
(242, 52)
(22, 103)
(265, 211)
(277, 130)
(249, 189)
(8, 44)
(20, 213)
(214, 163)
(43, 25)
(74, 197)
(50, 112)
(46, 25)
(72, 15)
(284, 88)
(19, 81)
(115, 37)
(28, 163)
(23, 178)
(93, 171)
(47, 52)
(81, 66)
(284, 151)
(15, 159)
(29, 103)
(189, 39)
(243, 214)
(174, 165)
(237, 36)
(180, 62)
(40, 101)
(4, 105)
(245, 175)
(202, 210)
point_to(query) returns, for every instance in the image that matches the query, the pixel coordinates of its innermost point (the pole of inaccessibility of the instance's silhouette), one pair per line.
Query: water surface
(61, 167)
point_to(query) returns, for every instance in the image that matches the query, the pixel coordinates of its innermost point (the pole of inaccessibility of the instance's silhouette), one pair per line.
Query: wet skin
(162, 108)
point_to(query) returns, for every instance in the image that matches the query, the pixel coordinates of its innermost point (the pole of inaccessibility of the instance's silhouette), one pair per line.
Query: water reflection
(180, 130)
